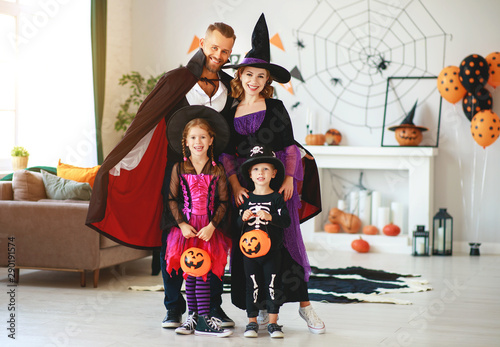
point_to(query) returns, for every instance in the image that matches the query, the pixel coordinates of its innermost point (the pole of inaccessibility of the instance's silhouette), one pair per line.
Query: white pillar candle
(440, 239)
(308, 118)
(420, 245)
(397, 215)
(383, 217)
(376, 201)
(341, 205)
(354, 203)
(365, 204)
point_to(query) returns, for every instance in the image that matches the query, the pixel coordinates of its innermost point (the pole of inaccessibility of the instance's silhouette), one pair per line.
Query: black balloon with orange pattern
(473, 103)
(474, 73)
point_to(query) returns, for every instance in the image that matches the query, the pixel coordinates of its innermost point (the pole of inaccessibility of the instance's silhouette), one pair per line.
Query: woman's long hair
(237, 88)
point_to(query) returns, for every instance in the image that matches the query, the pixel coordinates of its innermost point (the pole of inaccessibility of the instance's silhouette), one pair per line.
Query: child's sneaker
(251, 330)
(189, 325)
(263, 319)
(275, 330)
(210, 326)
(314, 323)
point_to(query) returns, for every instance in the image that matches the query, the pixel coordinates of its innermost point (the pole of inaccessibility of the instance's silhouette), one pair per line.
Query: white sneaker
(263, 319)
(189, 325)
(314, 323)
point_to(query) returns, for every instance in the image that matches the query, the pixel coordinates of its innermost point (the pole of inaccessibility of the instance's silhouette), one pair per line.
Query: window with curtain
(8, 56)
(50, 109)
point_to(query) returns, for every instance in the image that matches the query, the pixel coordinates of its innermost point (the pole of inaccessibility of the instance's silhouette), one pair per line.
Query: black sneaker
(211, 326)
(275, 330)
(219, 313)
(251, 330)
(173, 319)
(189, 325)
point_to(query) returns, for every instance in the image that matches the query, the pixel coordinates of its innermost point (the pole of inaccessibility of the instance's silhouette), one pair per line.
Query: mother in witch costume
(257, 119)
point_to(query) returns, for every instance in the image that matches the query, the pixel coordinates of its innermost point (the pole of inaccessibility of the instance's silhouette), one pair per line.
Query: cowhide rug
(348, 285)
(357, 284)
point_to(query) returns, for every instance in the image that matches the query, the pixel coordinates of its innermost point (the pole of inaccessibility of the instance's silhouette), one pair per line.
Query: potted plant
(19, 158)
(139, 89)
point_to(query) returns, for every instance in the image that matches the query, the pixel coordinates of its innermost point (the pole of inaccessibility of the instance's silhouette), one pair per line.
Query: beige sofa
(51, 235)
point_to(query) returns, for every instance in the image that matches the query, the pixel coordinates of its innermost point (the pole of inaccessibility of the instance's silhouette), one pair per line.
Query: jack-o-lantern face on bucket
(255, 243)
(195, 262)
(408, 135)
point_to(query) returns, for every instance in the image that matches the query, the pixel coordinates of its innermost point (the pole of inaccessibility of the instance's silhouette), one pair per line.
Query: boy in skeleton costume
(264, 209)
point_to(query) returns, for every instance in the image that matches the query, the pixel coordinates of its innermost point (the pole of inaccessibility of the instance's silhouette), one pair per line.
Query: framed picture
(402, 93)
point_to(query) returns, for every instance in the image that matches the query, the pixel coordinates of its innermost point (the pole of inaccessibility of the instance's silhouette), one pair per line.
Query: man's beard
(210, 68)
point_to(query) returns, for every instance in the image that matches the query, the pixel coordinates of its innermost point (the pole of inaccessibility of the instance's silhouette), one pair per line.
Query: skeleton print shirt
(274, 204)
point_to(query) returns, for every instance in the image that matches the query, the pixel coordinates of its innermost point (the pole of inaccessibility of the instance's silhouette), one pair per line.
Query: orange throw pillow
(75, 173)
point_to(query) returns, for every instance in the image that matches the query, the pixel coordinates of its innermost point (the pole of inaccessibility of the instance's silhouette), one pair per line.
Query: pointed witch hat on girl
(260, 54)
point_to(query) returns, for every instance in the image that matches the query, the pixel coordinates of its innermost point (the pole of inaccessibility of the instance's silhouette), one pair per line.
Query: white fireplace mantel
(417, 161)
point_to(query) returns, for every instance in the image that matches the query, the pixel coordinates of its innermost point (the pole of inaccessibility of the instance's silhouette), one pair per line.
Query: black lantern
(420, 241)
(442, 233)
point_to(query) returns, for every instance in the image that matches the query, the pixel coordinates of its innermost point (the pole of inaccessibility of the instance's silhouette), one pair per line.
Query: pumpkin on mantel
(332, 228)
(333, 137)
(349, 222)
(315, 140)
(407, 133)
(370, 230)
(391, 230)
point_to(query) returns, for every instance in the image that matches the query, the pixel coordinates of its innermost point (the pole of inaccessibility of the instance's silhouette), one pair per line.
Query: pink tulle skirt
(218, 247)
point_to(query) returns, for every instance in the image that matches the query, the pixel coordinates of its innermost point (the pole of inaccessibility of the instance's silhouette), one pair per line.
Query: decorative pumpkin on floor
(407, 133)
(195, 262)
(315, 139)
(360, 245)
(255, 243)
(333, 137)
(350, 223)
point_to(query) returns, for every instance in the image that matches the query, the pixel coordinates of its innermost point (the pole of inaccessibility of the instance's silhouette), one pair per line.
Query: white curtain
(55, 95)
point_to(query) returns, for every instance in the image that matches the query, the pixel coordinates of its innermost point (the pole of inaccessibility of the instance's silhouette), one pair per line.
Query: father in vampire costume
(127, 203)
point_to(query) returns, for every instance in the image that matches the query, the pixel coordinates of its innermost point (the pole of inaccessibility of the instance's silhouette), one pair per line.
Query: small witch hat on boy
(181, 117)
(260, 54)
(263, 154)
(407, 133)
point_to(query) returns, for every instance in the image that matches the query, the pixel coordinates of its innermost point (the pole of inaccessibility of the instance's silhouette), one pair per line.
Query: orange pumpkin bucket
(195, 262)
(255, 243)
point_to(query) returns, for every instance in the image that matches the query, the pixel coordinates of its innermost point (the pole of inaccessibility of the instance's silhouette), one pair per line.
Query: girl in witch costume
(198, 200)
(259, 119)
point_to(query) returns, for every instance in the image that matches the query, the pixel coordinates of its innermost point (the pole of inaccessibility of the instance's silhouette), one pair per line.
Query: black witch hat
(181, 117)
(263, 154)
(408, 121)
(260, 54)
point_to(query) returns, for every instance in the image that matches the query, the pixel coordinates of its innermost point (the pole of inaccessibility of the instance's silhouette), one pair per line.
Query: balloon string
(473, 189)
(460, 168)
(485, 163)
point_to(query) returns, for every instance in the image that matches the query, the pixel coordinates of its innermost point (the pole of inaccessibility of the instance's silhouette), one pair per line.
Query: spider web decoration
(347, 51)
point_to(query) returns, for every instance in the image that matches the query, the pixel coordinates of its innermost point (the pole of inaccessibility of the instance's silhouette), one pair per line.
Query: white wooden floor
(463, 309)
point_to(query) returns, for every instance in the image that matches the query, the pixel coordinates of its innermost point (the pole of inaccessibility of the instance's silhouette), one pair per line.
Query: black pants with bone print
(263, 283)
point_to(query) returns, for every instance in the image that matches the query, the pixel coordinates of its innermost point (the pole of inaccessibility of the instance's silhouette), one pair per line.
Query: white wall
(162, 32)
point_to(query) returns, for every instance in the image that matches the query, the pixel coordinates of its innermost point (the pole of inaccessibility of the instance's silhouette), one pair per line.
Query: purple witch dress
(291, 158)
